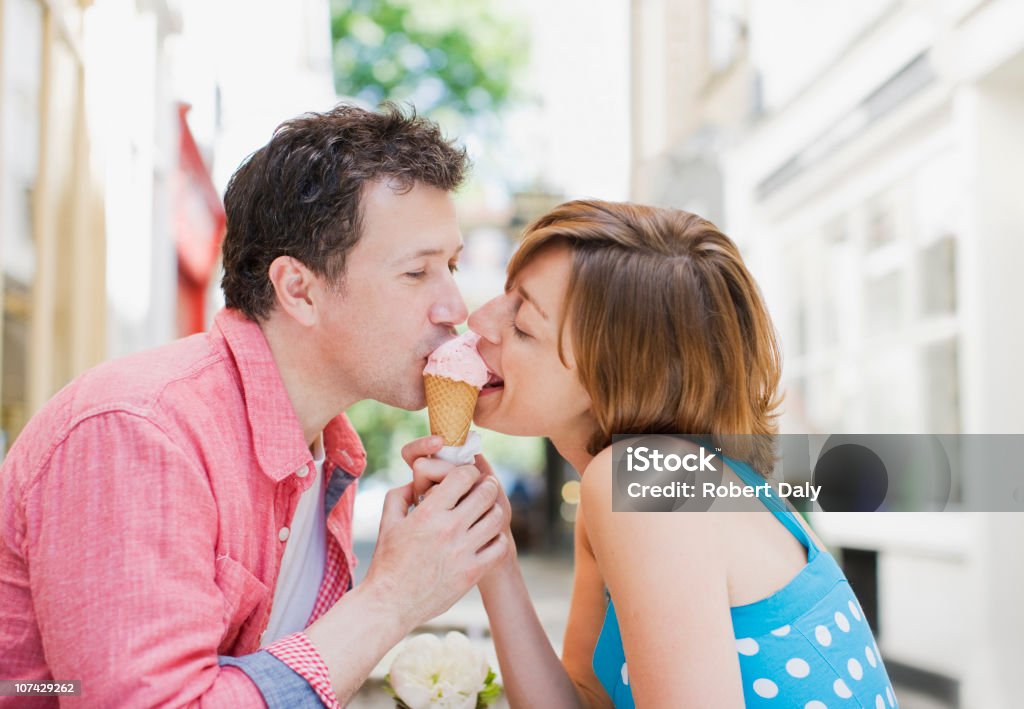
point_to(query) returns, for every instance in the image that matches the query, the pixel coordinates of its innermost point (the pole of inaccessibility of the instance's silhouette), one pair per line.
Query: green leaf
(490, 692)
(391, 690)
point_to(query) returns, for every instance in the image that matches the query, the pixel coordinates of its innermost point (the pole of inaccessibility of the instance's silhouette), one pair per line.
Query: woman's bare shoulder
(657, 528)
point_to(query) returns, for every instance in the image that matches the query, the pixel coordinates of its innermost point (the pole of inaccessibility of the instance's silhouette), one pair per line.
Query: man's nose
(450, 309)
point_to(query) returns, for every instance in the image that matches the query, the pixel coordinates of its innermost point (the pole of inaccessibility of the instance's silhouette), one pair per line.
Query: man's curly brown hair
(300, 194)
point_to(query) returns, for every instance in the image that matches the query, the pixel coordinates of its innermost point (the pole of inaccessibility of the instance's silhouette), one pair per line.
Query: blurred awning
(199, 222)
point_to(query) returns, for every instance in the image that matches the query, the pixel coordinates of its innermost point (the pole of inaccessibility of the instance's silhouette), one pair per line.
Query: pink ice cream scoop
(459, 360)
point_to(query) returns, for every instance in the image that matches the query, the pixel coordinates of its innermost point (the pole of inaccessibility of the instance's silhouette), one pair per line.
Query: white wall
(944, 162)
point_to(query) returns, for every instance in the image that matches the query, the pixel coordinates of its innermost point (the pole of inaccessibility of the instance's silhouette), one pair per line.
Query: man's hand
(428, 473)
(429, 557)
(425, 560)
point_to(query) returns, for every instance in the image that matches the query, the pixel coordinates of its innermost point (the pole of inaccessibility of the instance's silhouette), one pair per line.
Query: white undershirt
(302, 567)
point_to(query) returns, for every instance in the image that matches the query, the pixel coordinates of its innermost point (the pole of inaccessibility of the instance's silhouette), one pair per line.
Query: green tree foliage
(384, 430)
(451, 56)
(455, 61)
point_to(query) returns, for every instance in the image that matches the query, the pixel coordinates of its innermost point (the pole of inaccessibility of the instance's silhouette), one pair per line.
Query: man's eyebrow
(426, 252)
(526, 296)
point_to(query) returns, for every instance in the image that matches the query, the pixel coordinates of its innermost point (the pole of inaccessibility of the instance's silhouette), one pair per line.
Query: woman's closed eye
(520, 334)
(514, 313)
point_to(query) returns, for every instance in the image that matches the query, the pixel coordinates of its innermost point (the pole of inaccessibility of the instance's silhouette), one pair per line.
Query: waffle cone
(450, 405)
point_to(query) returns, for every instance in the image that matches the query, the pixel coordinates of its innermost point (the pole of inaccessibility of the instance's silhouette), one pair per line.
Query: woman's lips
(494, 383)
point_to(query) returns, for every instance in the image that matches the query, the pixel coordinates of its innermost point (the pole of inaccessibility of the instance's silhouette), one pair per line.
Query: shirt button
(302, 472)
(283, 534)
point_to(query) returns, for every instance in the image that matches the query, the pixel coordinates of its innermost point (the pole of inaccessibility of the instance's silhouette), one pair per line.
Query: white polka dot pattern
(798, 668)
(870, 655)
(855, 669)
(747, 646)
(842, 622)
(828, 669)
(766, 688)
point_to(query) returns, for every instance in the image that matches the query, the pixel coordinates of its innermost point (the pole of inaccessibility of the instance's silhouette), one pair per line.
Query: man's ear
(294, 282)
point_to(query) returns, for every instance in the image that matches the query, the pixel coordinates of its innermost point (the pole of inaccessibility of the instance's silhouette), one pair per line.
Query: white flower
(431, 672)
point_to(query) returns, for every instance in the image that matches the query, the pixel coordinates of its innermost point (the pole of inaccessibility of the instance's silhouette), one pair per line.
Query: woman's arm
(586, 616)
(531, 672)
(667, 575)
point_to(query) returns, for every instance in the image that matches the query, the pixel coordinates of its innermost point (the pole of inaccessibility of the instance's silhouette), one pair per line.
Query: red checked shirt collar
(270, 411)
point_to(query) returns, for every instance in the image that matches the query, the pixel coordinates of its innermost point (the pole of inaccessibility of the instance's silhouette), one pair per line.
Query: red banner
(198, 229)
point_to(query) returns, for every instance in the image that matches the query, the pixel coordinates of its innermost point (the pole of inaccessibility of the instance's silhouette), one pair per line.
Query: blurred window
(881, 223)
(797, 264)
(938, 277)
(21, 64)
(884, 303)
(941, 387)
(726, 27)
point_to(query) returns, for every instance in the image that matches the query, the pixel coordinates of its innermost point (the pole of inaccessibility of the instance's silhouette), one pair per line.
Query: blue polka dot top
(807, 645)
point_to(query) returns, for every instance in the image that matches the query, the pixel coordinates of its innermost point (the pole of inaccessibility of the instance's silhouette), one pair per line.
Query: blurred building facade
(54, 310)
(693, 91)
(89, 147)
(115, 115)
(864, 156)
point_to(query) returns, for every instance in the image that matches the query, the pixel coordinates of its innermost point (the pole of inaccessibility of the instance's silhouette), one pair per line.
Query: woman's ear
(293, 283)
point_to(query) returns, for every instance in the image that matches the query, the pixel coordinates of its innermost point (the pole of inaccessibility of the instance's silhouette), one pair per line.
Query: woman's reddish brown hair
(668, 328)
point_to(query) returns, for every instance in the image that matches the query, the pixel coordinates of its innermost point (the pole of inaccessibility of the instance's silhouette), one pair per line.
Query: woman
(624, 319)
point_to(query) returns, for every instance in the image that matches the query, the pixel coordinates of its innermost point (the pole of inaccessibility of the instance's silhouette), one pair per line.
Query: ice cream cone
(450, 405)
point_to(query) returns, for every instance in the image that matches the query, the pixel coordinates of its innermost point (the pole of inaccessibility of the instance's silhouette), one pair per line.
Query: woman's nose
(484, 321)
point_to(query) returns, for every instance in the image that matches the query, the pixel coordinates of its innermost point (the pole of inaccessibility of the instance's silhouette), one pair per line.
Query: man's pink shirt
(143, 517)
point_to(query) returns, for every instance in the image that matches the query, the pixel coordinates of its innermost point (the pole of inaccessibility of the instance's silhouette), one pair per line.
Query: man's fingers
(479, 500)
(455, 485)
(426, 472)
(495, 551)
(421, 448)
(487, 527)
(396, 504)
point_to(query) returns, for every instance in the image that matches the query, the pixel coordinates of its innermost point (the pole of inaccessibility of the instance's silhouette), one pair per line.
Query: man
(175, 526)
